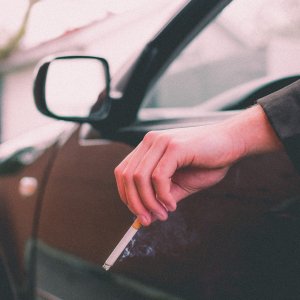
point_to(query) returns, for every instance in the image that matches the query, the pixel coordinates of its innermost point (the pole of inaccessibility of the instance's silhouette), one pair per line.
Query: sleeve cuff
(283, 111)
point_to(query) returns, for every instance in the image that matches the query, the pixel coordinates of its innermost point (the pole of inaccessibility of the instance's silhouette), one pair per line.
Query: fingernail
(144, 219)
(162, 216)
(172, 207)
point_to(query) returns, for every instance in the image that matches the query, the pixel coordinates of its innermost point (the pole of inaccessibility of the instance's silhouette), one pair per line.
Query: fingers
(162, 177)
(135, 181)
(118, 175)
(170, 165)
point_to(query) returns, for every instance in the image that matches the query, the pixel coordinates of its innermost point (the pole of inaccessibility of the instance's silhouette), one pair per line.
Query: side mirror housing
(73, 88)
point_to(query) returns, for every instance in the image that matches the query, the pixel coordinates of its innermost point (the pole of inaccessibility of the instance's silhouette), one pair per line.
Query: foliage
(14, 41)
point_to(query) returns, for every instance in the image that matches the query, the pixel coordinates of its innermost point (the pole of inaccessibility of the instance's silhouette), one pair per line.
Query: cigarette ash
(171, 237)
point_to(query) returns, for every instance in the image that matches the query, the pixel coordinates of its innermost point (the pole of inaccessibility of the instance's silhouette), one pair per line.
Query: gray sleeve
(283, 111)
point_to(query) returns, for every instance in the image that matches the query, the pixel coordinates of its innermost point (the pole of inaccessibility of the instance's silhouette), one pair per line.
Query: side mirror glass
(68, 87)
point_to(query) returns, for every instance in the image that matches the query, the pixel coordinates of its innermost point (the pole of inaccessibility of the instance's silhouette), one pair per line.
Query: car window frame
(155, 58)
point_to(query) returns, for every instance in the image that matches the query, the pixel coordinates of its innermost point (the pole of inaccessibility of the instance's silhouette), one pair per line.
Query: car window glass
(247, 41)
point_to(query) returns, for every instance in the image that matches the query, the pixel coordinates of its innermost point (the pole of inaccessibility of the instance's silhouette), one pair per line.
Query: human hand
(169, 165)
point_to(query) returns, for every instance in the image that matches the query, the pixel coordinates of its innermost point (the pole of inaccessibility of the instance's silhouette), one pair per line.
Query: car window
(247, 41)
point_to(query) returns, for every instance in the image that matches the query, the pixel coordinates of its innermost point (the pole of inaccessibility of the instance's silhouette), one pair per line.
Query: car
(61, 215)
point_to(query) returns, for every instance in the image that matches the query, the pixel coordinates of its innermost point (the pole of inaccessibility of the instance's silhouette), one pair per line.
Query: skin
(167, 166)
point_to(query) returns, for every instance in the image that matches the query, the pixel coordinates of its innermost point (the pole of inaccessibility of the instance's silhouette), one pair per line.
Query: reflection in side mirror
(68, 87)
(73, 86)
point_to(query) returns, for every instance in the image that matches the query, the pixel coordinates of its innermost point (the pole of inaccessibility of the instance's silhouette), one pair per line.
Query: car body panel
(83, 216)
(18, 212)
(88, 196)
(29, 156)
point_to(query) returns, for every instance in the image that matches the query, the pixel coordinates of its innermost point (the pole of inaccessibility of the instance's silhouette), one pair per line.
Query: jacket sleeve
(283, 111)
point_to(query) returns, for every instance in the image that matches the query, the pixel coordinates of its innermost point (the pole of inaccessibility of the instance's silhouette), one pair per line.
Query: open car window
(247, 41)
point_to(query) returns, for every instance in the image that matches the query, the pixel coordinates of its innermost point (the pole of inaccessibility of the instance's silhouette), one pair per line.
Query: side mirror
(68, 87)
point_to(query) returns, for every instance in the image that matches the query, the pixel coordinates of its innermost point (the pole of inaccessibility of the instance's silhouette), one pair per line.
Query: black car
(61, 215)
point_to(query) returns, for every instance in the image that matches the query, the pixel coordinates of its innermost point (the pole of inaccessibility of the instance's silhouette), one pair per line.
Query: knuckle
(117, 171)
(127, 177)
(156, 176)
(149, 137)
(138, 177)
(164, 138)
(173, 146)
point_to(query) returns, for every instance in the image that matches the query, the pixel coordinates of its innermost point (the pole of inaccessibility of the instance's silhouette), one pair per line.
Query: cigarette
(133, 229)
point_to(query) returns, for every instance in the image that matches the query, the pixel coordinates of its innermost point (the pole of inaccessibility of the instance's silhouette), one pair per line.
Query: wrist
(254, 133)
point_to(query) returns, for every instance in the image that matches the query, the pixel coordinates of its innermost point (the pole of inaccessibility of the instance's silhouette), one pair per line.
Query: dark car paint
(198, 252)
(28, 157)
(80, 213)
(201, 252)
(18, 212)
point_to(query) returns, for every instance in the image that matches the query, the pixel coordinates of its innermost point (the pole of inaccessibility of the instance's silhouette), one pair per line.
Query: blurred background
(249, 40)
